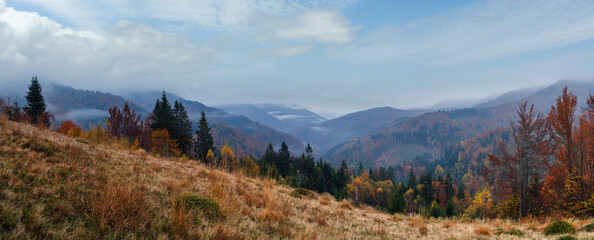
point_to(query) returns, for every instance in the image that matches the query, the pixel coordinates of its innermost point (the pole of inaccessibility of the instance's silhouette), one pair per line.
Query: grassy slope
(56, 187)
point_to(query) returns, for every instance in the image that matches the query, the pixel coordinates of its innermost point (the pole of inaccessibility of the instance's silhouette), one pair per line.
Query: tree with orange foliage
(520, 166)
(70, 129)
(582, 186)
(561, 120)
(163, 145)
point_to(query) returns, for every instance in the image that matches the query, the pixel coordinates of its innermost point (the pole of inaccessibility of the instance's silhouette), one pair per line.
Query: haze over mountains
(376, 137)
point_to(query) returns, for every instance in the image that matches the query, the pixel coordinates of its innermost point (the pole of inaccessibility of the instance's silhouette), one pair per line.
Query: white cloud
(325, 26)
(215, 15)
(129, 56)
(481, 31)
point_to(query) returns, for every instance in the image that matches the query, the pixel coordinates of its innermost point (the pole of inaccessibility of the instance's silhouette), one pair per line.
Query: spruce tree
(35, 107)
(284, 160)
(204, 140)
(163, 115)
(183, 128)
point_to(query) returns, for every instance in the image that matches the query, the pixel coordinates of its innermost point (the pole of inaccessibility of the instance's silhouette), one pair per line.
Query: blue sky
(329, 56)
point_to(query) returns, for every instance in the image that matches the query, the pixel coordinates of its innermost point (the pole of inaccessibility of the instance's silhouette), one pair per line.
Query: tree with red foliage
(124, 123)
(520, 166)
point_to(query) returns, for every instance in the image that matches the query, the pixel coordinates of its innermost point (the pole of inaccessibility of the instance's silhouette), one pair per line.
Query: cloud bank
(483, 30)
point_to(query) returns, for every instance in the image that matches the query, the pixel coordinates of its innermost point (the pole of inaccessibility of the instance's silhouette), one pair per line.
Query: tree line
(544, 164)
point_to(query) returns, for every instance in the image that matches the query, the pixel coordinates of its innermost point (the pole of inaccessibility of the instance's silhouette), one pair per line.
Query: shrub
(588, 228)
(207, 206)
(559, 227)
(298, 192)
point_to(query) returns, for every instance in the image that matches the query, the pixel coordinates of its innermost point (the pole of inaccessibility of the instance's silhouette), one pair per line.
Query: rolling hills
(56, 187)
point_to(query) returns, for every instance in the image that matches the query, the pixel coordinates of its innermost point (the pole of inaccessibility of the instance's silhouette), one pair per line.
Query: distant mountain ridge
(429, 133)
(328, 134)
(279, 117)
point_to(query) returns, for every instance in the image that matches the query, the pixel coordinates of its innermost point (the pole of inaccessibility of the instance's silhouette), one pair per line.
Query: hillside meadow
(57, 187)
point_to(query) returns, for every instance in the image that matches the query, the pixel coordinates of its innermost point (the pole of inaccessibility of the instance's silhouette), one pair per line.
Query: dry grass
(55, 187)
(119, 206)
(423, 230)
(482, 231)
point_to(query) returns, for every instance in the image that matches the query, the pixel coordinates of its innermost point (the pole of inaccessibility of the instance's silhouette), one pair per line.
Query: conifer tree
(163, 115)
(183, 128)
(284, 160)
(35, 107)
(204, 141)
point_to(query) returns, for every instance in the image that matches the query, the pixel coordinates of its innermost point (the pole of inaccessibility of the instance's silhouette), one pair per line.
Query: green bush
(298, 192)
(207, 206)
(588, 228)
(568, 237)
(559, 227)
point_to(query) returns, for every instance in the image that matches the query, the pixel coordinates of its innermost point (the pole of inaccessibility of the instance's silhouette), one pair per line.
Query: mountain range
(375, 137)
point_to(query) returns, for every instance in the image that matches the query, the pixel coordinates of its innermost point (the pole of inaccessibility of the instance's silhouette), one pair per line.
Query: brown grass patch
(119, 206)
(482, 231)
(345, 204)
(324, 202)
(180, 219)
(321, 220)
(448, 224)
(423, 230)
(271, 215)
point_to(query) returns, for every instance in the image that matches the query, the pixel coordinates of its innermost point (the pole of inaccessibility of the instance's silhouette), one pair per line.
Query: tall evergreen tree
(183, 128)
(204, 140)
(284, 160)
(35, 107)
(163, 115)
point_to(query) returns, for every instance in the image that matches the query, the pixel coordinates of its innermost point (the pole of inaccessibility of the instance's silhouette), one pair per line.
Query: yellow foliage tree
(210, 157)
(383, 192)
(482, 204)
(228, 160)
(361, 189)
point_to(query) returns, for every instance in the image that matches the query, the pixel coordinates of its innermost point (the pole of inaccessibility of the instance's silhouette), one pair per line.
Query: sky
(330, 56)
